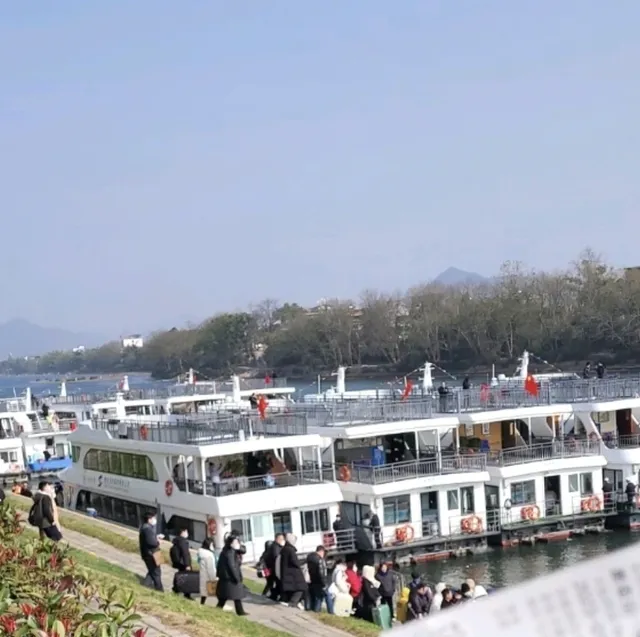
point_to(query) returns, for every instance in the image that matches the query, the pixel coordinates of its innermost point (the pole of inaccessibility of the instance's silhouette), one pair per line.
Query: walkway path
(261, 610)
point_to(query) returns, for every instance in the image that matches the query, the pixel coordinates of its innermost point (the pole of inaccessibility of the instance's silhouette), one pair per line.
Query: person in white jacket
(477, 590)
(207, 567)
(436, 603)
(339, 583)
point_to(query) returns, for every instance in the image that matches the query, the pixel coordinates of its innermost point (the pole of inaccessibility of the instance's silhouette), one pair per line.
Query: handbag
(211, 588)
(158, 558)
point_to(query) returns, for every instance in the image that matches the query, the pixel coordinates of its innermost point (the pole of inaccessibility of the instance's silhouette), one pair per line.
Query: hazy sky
(163, 160)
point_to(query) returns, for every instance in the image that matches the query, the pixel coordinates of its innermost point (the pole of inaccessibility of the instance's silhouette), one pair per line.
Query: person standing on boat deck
(466, 386)
(586, 372)
(630, 490)
(376, 528)
(443, 392)
(149, 548)
(600, 370)
(230, 586)
(607, 490)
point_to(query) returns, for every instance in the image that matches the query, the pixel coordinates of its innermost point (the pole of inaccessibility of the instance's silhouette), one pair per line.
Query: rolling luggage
(342, 605)
(187, 582)
(382, 616)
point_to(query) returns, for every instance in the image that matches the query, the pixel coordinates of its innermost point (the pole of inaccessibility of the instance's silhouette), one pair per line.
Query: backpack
(35, 514)
(176, 556)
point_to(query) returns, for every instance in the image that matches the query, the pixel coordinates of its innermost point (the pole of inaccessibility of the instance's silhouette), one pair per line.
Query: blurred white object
(599, 598)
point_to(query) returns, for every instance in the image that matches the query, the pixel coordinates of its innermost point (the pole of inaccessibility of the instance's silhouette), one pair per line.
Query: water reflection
(512, 566)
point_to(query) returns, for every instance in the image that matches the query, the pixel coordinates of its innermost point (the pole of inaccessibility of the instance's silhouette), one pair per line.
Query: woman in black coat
(292, 582)
(229, 574)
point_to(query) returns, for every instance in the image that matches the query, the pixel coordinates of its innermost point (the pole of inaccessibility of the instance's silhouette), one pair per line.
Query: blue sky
(162, 161)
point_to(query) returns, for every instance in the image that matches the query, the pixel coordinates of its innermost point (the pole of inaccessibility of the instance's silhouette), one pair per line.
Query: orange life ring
(464, 525)
(525, 512)
(144, 432)
(534, 512)
(474, 524)
(168, 488)
(595, 503)
(401, 534)
(212, 527)
(409, 533)
(344, 474)
(585, 504)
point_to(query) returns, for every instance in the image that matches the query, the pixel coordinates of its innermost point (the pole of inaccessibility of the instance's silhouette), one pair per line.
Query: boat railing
(341, 541)
(585, 504)
(365, 473)
(552, 450)
(616, 441)
(365, 411)
(210, 431)
(244, 484)
(12, 405)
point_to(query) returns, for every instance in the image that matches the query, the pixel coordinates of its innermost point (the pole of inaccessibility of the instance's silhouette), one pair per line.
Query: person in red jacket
(355, 582)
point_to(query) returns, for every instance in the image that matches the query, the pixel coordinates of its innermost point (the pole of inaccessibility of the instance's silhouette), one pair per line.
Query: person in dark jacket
(419, 602)
(46, 512)
(149, 547)
(370, 596)
(447, 598)
(292, 579)
(600, 370)
(387, 588)
(318, 581)
(376, 529)
(181, 555)
(229, 574)
(271, 555)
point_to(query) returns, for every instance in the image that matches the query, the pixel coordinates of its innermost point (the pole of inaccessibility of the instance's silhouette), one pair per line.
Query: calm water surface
(499, 567)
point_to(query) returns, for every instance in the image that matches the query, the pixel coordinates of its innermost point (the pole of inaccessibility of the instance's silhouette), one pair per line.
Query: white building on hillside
(135, 340)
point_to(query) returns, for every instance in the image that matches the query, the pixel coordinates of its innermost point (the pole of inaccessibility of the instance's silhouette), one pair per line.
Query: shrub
(44, 593)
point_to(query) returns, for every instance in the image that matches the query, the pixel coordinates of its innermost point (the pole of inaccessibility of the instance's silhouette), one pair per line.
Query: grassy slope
(127, 544)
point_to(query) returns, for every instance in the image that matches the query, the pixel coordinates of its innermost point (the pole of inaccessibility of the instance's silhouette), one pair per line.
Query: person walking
(387, 588)
(230, 586)
(180, 555)
(292, 578)
(207, 569)
(44, 513)
(150, 552)
(317, 567)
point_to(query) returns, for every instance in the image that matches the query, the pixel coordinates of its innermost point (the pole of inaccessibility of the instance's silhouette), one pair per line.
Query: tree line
(589, 310)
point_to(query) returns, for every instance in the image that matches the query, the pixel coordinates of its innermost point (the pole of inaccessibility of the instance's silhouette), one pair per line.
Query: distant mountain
(454, 276)
(19, 337)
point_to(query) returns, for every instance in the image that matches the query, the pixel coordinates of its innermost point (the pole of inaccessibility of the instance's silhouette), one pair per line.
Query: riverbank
(118, 547)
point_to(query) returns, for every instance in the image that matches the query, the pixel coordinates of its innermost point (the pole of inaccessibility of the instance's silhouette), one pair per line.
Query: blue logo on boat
(100, 481)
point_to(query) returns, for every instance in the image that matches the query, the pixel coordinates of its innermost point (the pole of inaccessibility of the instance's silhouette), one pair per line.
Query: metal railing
(409, 469)
(552, 450)
(12, 405)
(341, 541)
(616, 441)
(247, 484)
(207, 431)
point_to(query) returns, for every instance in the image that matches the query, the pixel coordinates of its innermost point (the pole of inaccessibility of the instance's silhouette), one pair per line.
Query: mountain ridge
(456, 276)
(20, 337)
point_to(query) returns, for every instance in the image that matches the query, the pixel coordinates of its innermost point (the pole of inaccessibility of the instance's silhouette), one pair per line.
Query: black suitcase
(187, 583)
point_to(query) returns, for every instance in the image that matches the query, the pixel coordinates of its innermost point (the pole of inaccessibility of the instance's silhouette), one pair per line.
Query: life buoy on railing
(525, 512)
(344, 474)
(328, 540)
(409, 533)
(464, 525)
(401, 534)
(585, 505)
(212, 527)
(534, 512)
(473, 524)
(595, 504)
(168, 488)
(144, 432)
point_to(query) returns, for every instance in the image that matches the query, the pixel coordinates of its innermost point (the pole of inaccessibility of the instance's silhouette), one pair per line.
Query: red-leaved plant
(43, 593)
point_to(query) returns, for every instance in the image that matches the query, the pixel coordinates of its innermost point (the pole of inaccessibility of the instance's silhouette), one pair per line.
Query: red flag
(267, 379)
(484, 393)
(262, 407)
(195, 379)
(407, 390)
(121, 385)
(530, 386)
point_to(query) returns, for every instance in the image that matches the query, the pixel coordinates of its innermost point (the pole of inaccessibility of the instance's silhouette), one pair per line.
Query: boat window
(453, 500)
(242, 527)
(282, 522)
(574, 483)
(113, 509)
(315, 521)
(523, 493)
(129, 465)
(467, 500)
(586, 483)
(197, 530)
(75, 453)
(396, 510)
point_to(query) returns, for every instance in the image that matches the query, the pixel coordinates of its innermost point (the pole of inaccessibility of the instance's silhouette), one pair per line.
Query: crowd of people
(306, 585)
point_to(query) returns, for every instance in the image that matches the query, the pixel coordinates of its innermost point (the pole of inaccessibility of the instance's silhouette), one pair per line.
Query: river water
(498, 567)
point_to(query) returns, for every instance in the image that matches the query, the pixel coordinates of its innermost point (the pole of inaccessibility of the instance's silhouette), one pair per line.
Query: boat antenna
(541, 360)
